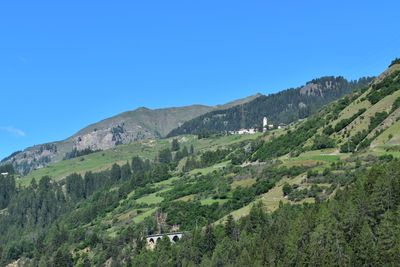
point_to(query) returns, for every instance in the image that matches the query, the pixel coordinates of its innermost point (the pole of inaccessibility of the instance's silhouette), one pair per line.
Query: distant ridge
(130, 126)
(283, 107)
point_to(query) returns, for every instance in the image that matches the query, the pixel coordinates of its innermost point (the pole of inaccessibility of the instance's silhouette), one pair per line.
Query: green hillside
(147, 149)
(260, 198)
(132, 126)
(283, 107)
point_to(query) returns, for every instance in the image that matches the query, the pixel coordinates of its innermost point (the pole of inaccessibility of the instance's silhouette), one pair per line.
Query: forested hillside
(325, 191)
(283, 107)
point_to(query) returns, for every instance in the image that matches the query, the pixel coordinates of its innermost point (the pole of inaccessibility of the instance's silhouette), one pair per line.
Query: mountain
(124, 128)
(283, 107)
(323, 191)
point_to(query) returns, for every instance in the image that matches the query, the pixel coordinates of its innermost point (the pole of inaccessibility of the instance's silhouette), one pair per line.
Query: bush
(322, 142)
(287, 189)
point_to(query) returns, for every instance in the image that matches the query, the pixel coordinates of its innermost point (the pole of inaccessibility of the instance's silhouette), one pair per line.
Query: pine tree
(126, 172)
(62, 258)
(209, 240)
(388, 236)
(165, 156)
(244, 258)
(115, 173)
(175, 145)
(230, 227)
(364, 247)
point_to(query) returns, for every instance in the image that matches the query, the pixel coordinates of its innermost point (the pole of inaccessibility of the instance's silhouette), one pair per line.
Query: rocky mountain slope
(124, 128)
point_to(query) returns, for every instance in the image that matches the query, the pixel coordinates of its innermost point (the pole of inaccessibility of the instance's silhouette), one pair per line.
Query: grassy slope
(360, 124)
(271, 199)
(147, 149)
(383, 140)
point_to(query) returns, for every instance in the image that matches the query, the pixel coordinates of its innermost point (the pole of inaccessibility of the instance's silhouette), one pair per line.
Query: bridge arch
(152, 240)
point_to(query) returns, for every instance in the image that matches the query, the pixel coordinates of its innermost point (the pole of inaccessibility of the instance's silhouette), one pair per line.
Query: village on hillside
(265, 128)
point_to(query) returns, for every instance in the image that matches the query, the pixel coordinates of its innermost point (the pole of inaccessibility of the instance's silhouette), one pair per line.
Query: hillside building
(265, 124)
(282, 126)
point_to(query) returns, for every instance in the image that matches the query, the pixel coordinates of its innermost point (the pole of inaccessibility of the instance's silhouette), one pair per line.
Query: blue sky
(65, 65)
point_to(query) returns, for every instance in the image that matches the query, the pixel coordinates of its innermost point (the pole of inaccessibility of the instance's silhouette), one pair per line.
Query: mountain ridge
(129, 126)
(285, 107)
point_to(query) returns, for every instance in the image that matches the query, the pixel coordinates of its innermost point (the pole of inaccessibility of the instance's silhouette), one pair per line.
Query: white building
(282, 126)
(265, 124)
(247, 131)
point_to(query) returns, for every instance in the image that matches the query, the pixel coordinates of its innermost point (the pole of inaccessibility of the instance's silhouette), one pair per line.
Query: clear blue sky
(65, 65)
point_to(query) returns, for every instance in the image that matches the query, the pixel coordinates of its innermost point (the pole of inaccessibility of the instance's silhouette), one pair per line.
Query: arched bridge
(153, 239)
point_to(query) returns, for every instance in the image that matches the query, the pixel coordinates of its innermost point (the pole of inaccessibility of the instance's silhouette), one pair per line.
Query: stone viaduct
(152, 240)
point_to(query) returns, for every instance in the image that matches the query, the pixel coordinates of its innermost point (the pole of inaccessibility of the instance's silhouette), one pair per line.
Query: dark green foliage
(396, 104)
(75, 186)
(343, 123)
(36, 210)
(300, 194)
(165, 156)
(341, 232)
(386, 87)
(289, 142)
(180, 154)
(115, 173)
(287, 189)
(322, 142)
(175, 145)
(377, 119)
(238, 157)
(190, 214)
(341, 104)
(7, 168)
(283, 107)
(209, 158)
(351, 144)
(126, 172)
(328, 130)
(78, 153)
(230, 227)
(62, 258)
(7, 190)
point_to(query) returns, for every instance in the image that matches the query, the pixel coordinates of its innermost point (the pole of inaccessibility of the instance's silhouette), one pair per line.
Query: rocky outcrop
(124, 128)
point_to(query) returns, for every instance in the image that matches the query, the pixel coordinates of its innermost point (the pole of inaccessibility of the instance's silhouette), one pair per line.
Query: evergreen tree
(364, 247)
(126, 172)
(62, 258)
(230, 227)
(388, 236)
(175, 145)
(165, 156)
(115, 173)
(209, 240)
